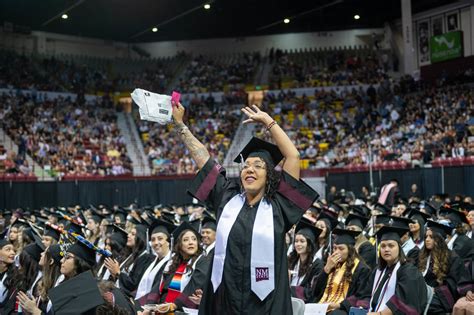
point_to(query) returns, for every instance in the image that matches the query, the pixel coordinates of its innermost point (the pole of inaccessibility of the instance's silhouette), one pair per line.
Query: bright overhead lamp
(207, 6)
(64, 16)
(154, 30)
(356, 17)
(286, 21)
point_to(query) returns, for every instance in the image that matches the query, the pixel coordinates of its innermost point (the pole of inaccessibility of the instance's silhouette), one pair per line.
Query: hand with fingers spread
(196, 296)
(333, 260)
(28, 304)
(255, 115)
(113, 266)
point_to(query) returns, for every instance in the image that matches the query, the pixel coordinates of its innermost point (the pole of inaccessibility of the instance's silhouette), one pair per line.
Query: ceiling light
(64, 16)
(356, 17)
(207, 6)
(286, 21)
(154, 30)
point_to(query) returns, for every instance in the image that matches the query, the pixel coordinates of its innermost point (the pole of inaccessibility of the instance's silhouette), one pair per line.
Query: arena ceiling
(133, 20)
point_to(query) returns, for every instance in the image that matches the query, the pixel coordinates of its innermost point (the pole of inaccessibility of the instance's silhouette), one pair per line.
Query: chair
(298, 306)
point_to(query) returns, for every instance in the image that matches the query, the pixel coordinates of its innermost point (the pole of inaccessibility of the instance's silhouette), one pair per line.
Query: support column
(409, 65)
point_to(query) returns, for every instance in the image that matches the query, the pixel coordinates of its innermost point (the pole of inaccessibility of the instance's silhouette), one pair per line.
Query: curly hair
(178, 257)
(272, 179)
(352, 255)
(311, 250)
(439, 256)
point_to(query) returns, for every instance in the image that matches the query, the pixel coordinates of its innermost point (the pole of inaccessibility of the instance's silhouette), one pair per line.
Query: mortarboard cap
(4, 242)
(307, 229)
(260, 148)
(81, 250)
(330, 218)
(382, 208)
(35, 249)
(390, 233)
(382, 219)
(142, 231)
(346, 237)
(56, 253)
(421, 217)
(162, 226)
(357, 220)
(78, 295)
(429, 208)
(209, 223)
(441, 229)
(184, 227)
(119, 235)
(52, 233)
(399, 222)
(361, 210)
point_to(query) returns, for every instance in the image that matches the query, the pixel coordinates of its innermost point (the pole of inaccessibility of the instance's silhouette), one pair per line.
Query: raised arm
(292, 157)
(198, 151)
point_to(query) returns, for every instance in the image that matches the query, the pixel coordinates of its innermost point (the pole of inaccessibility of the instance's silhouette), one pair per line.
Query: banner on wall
(446, 46)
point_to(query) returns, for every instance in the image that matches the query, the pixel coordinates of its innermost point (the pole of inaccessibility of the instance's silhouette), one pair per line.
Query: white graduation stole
(146, 283)
(3, 289)
(388, 288)
(262, 261)
(408, 246)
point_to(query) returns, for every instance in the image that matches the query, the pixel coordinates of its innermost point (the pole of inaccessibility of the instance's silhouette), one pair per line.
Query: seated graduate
(50, 264)
(9, 277)
(160, 237)
(327, 221)
(303, 264)
(417, 227)
(116, 243)
(208, 235)
(364, 247)
(465, 289)
(343, 282)
(29, 267)
(50, 237)
(185, 273)
(397, 285)
(460, 243)
(130, 271)
(409, 247)
(441, 268)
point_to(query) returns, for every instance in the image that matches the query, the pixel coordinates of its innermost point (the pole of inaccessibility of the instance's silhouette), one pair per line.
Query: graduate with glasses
(249, 273)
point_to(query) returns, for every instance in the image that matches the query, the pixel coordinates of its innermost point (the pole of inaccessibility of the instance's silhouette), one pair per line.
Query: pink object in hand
(175, 96)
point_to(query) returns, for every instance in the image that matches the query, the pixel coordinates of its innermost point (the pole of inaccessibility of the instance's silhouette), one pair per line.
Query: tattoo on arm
(198, 151)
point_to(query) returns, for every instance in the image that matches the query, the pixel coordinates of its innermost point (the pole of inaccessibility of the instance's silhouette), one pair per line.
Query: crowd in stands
(12, 163)
(334, 128)
(327, 68)
(66, 138)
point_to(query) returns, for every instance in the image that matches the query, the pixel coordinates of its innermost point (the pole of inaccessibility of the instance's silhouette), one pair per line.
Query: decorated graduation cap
(329, 218)
(441, 229)
(83, 251)
(382, 208)
(209, 222)
(390, 233)
(78, 295)
(308, 230)
(357, 220)
(56, 253)
(35, 249)
(161, 226)
(119, 235)
(346, 237)
(74, 227)
(262, 149)
(52, 233)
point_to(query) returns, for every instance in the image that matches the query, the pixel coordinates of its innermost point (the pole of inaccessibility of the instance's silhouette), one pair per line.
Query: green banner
(446, 46)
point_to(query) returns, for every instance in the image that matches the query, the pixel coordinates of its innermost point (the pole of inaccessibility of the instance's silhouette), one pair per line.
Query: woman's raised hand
(178, 112)
(255, 115)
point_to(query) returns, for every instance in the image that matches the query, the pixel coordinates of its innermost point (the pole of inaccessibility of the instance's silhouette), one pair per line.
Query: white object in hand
(152, 106)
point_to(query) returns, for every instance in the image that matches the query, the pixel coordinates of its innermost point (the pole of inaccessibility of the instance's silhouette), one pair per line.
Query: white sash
(451, 241)
(209, 248)
(408, 246)
(262, 261)
(428, 260)
(389, 290)
(38, 277)
(3, 289)
(146, 283)
(186, 276)
(295, 279)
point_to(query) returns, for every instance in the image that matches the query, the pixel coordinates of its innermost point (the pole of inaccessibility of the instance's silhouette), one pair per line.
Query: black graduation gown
(466, 283)
(445, 295)
(367, 252)
(463, 246)
(129, 282)
(413, 256)
(198, 280)
(234, 295)
(153, 296)
(358, 294)
(304, 291)
(410, 296)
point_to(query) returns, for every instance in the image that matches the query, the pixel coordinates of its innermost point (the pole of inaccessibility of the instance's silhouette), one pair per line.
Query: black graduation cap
(429, 208)
(441, 229)
(346, 237)
(19, 223)
(35, 249)
(142, 231)
(306, 228)
(81, 250)
(382, 208)
(361, 210)
(263, 149)
(77, 295)
(76, 228)
(184, 227)
(421, 217)
(52, 232)
(135, 221)
(330, 218)
(161, 226)
(336, 207)
(119, 235)
(4, 242)
(96, 216)
(382, 219)
(209, 223)
(400, 222)
(357, 220)
(56, 253)
(457, 217)
(390, 233)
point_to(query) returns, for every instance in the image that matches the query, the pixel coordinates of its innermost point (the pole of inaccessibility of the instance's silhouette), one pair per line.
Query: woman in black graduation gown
(343, 282)
(364, 247)
(115, 243)
(327, 221)
(129, 272)
(50, 264)
(9, 277)
(397, 285)
(303, 263)
(441, 268)
(242, 284)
